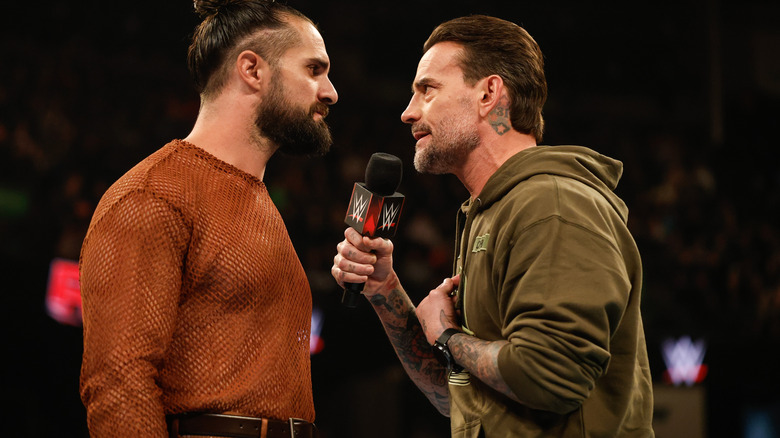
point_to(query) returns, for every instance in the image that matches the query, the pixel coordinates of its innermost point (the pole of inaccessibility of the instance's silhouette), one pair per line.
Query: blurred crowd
(704, 210)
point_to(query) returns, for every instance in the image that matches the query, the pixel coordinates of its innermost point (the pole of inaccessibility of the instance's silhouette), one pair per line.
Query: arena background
(685, 93)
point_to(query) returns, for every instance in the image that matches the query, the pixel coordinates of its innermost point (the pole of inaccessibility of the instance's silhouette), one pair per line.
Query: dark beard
(293, 129)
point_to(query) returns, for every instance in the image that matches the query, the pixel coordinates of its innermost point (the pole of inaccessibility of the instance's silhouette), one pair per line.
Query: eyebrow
(423, 82)
(321, 62)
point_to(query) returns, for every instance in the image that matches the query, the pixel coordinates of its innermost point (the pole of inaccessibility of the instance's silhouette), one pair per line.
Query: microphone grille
(383, 173)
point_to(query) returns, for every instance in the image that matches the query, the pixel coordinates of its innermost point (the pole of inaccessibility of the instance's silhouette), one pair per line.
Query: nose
(412, 112)
(328, 94)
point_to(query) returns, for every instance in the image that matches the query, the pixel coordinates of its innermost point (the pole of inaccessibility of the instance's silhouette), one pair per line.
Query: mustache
(420, 127)
(321, 108)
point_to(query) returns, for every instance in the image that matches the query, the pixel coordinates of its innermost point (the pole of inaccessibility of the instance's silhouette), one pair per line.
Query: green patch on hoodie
(481, 243)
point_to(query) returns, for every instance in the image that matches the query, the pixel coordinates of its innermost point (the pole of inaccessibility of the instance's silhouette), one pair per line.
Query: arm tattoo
(378, 300)
(499, 116)
(410, 343)
(393, 303)
(408, 338)
(480, 358)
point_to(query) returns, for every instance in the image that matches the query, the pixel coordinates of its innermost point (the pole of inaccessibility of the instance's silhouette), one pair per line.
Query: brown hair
(495, 46)
(232, 26)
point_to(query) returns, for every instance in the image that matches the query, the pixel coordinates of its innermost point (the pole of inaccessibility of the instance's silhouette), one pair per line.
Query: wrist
(383, 287)
(442, 352)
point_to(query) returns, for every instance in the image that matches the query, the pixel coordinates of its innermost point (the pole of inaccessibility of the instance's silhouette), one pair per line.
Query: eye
(316, 69)
(422, 89)
(425, 88)
(429, 91)
(428, 88)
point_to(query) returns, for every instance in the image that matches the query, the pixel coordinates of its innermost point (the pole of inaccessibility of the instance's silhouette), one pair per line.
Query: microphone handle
(351, 294)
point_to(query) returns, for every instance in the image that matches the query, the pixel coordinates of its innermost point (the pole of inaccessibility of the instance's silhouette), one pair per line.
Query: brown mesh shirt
(194, 299)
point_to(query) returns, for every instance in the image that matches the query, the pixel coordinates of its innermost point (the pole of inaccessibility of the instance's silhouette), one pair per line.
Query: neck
(227, 130)
(492, 152)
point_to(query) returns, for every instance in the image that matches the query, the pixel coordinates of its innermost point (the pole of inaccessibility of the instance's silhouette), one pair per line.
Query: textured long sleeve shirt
(194, 299)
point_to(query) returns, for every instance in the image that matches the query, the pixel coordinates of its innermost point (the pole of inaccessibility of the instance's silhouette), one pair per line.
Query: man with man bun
(197, 309)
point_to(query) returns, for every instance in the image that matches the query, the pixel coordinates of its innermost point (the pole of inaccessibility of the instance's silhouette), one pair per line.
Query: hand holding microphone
(375, 208)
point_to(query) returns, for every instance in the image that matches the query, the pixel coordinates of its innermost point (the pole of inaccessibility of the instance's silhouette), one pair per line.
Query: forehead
(311, 44)
(440, 62)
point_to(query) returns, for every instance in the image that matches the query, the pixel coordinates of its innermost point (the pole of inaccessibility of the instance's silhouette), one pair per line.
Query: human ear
(491, 90)
(251, 69)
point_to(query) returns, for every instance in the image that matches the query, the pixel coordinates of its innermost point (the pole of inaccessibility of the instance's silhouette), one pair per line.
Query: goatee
(446, 152)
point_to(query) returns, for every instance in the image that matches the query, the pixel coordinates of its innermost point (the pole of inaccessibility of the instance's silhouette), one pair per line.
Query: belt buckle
(292, 425)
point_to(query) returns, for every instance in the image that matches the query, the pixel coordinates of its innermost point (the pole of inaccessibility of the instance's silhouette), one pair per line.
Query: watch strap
(446, 335)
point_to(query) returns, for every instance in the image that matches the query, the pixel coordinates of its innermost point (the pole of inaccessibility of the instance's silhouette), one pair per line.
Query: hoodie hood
(598, 171)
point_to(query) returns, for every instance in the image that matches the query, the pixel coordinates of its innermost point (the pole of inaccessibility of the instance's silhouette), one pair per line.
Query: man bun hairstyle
(232, 26)
(495, 46)
(204, 8)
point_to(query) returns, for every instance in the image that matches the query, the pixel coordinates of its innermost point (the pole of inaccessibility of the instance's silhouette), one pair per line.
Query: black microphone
(374, 208)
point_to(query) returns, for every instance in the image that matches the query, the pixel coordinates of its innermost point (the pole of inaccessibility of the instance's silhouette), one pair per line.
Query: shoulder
(532, 198)
(553, 195)
(554, 200)
(156, 180)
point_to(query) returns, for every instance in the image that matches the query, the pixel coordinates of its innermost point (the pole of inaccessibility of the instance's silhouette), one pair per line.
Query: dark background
(685, 93)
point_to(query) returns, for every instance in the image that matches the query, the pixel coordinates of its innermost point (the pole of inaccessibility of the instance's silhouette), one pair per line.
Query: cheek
(441, 111)
(308, 92)
(439, 118)
(301, 88)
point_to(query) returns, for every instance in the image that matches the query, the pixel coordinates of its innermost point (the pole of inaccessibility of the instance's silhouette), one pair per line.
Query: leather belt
(235, 426)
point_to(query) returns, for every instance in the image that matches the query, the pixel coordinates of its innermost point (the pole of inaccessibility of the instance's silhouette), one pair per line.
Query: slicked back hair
(495, 46)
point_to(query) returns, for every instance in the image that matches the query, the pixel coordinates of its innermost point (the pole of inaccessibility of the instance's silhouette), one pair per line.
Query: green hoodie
(547, 263)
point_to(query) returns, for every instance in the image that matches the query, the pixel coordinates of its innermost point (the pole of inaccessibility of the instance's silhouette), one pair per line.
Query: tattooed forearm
(437, 373)
(378, 300)
(480, 358)
(410, 343)
(393, 303)
(406, 334)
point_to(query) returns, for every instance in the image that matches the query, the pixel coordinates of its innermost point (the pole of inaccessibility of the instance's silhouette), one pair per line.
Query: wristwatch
(442, 351)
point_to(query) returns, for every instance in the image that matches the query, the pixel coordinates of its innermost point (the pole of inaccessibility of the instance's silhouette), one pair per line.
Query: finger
(341, 246)
(444, 288)
(337, 274)
(379, 245)
(349, 251)
(342, 276)
(368, 244)
(353, 237)
(441, 296)
(352, 266)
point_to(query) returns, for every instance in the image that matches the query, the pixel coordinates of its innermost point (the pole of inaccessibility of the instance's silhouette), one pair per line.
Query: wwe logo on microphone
(389, 215)
(359, 207)
(373, 215)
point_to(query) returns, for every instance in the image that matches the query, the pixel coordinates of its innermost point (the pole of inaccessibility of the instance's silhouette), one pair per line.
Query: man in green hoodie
(539, 332)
